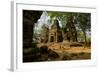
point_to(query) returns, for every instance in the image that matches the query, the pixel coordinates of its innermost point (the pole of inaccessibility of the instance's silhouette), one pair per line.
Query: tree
(84, 21)
(70, 29)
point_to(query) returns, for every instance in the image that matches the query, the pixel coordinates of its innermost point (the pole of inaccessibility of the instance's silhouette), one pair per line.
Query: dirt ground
(64, 47)
(67, 52)
(56, 52)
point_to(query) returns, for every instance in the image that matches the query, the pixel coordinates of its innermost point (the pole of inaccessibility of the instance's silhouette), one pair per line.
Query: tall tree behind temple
(70, 29)
(84, 21)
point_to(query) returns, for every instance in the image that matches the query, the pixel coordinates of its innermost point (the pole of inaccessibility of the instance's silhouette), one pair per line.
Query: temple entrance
(52, 39)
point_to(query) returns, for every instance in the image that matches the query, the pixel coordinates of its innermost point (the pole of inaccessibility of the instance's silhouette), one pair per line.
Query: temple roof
(55, 24)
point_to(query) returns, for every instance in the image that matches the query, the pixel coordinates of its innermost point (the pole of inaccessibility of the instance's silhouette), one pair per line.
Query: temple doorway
(52, 39)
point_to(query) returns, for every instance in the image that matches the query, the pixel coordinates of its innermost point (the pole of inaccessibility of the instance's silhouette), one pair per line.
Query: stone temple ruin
(56, 34)
(53, 34)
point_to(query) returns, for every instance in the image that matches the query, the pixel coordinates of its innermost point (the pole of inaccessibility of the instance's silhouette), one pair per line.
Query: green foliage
(84, 20)
(62, 16)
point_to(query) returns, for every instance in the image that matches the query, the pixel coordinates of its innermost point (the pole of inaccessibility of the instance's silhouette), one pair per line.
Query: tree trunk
(85, 37)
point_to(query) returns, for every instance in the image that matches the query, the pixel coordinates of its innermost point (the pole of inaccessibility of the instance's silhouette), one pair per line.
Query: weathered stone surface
(29, 18)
